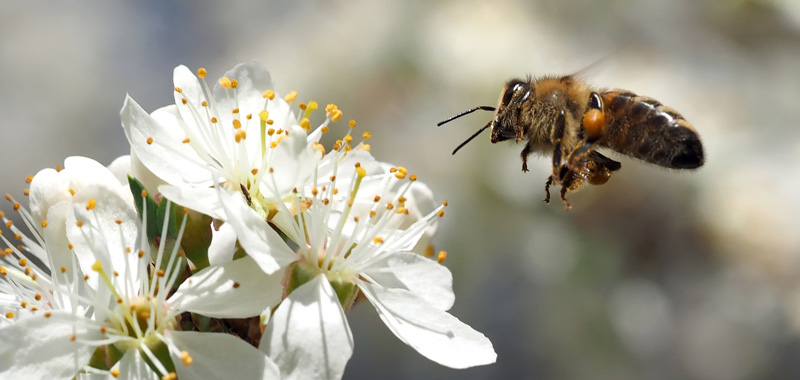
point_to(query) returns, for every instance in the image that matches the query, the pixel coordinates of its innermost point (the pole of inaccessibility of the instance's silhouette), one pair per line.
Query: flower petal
(99, 237)
(257, 238)
(219, 356)
(424, 277)
(223, 245)
(133, 367)
(308, 336)
(121, 168)
(434, 333)
(39, 347)
(201, 199)
(158, 144)
(238, 289)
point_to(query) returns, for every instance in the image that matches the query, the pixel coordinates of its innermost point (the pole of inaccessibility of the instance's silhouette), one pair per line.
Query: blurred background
(658, 274)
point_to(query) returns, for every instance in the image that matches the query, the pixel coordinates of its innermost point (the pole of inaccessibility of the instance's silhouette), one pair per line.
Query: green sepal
(161, 352)
(104, 357)
(300, 272)
(197, 238)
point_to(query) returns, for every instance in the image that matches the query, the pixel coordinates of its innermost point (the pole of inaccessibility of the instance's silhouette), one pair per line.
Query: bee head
(514, 94)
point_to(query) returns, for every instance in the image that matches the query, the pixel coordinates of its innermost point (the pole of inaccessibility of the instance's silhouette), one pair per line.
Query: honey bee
(569, 118)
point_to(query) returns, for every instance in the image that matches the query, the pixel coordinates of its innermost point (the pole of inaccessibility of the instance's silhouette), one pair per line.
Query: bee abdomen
(643, 128)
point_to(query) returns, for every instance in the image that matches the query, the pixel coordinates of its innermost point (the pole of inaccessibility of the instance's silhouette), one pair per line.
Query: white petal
(211, 291)
(166, 156)
(41, 348)
(294, 163)
(424, 277)
(100, 238)
(219, 356)
(133, 367)
(201, 199)
(223, 245)
(434, 333)
(83, 172)
(121, 168)
(48, 187)
(55, 237)
(257, 238)
(253, 79)
(308, 336)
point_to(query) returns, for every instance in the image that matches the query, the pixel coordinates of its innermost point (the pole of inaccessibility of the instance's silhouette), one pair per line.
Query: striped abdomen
(643, 128)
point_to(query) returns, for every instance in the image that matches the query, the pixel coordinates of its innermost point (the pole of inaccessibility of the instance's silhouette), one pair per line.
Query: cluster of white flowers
(230, 243)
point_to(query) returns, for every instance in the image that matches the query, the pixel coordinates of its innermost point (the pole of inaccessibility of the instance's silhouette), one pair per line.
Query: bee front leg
(525, 153)
(594, 124)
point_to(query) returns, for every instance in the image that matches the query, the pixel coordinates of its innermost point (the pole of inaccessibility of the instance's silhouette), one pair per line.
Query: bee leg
(593, 123)
(547, 189)
(567, 205)
(525, 153)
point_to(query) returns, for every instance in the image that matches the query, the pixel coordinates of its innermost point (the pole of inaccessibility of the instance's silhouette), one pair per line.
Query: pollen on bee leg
(594, 123)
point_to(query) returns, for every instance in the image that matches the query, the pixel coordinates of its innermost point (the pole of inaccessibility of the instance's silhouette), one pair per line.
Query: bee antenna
(467, 112)
(473, 136)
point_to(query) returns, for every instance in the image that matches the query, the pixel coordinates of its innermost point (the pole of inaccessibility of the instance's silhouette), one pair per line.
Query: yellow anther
(263, 115)
(290, 97)
(235, 111)
(364, 147)
(115, 373)
(376, 199)
(225, 82)
(97, 266)
(402, 169)
(186, 140)
(366, 135)
(302, 106)
(90, 205)
(335, 191)
(236, 285)
(378, 240)
(213, 119)
(71, 192)
(140, 253)
(401, 210)
(273, 144)
(201, 72)
(186, 359)
(412, 178)
(179, 90)
(337, 114)
(254, 171)
(240, 135)
(184, 101)
(440, 213)
(149, 140)
(204, 103)
(3, 271)
(372, 213)
(63, 269)
(234, 83)
(17, 206)
(249, 116)
(44, 224)
(160, 273)
(441, 257)
(320, 147)
(324, 129)
(389, 206)
(399, 175)
(444, 203)
(306, 124)
(37, 296)
(70, 246)
(237, 124)
(401, 199)
(348, 138)
(352, 123)
(268, 94)
(9, 197)
(24, 304)
(59, 168)
(270, 131)
(10, 315)
(29, 179)
(144, 193)
(429, 251)
(23, 262)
